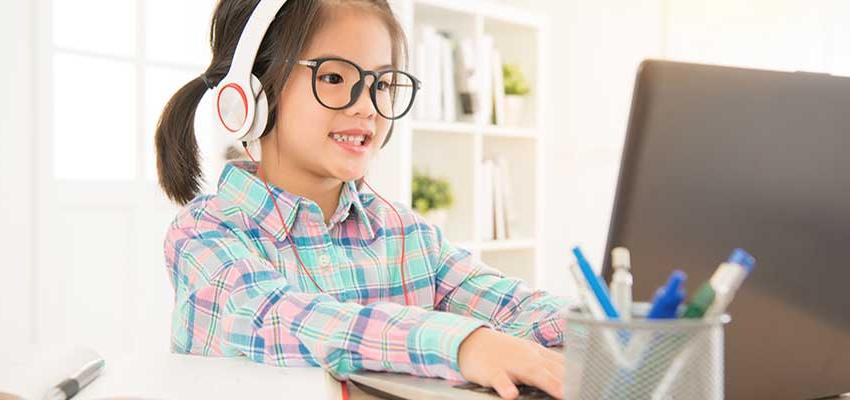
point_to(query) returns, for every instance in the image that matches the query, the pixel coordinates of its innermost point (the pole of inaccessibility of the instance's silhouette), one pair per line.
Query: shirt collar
(241, 187)
(350, 196)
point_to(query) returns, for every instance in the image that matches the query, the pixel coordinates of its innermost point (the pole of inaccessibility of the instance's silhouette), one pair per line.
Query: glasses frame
(315, 63)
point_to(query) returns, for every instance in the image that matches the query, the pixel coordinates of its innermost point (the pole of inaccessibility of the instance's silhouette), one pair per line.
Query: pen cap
(742, 258)
(621, 258)
(668, 297)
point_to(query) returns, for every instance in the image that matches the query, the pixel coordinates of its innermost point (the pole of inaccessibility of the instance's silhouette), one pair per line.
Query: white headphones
(240, 101)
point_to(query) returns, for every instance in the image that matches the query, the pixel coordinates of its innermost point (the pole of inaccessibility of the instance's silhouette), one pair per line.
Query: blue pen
(595, 284)
(667, 298)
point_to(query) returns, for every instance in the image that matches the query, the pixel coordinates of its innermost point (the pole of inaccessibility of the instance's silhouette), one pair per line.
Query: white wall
(16, 184)
(596, 49)
(597, 46)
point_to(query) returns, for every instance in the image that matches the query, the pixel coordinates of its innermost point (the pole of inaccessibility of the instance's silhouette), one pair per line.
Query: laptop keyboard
(525, 392)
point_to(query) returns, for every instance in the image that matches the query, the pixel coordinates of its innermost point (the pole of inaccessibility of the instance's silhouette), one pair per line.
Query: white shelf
(510, 244)
(470, 128)
(499, 245)
(510, 131)
(456, 150)
(467, 128)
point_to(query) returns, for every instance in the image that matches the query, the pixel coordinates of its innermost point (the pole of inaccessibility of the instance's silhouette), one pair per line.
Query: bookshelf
(456, 148)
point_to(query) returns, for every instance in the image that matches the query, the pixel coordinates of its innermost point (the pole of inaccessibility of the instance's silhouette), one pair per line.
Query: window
(114, 66)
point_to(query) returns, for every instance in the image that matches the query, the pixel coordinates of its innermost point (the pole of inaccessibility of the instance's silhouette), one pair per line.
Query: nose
(363, 106)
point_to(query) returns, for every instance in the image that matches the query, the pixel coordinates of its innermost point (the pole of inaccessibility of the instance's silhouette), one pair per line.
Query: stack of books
(497, 201)
(461, 78)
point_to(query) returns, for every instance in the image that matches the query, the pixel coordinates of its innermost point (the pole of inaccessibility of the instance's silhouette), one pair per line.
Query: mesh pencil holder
(643, 359)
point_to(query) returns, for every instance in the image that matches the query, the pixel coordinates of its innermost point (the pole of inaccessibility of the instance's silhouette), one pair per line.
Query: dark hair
(177, 157)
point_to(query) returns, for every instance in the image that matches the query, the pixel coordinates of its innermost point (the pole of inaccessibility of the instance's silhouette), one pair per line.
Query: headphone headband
(252, 36)
(241, 106)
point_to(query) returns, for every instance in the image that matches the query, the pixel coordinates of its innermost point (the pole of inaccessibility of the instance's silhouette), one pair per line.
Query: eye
(331, 78)
(384, 85)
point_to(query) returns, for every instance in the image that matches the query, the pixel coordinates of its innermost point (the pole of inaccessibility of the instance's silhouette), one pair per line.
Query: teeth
(348, 138)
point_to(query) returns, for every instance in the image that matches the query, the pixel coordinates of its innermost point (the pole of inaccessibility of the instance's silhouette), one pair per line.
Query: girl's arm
(230, 302)
(471, 288)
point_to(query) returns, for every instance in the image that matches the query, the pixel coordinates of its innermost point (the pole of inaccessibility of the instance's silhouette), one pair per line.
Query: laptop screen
(718, 158)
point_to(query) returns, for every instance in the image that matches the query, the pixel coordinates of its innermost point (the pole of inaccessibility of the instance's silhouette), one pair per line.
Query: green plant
(515, 82)
(430, 193)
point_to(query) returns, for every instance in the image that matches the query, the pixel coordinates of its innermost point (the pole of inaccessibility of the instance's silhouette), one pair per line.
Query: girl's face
(305, 129)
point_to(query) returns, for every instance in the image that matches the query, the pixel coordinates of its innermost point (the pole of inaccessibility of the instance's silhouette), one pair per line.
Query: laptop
(392, 386)
(719, 157)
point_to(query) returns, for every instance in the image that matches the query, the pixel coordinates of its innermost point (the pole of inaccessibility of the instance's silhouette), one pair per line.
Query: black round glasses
(338, 83)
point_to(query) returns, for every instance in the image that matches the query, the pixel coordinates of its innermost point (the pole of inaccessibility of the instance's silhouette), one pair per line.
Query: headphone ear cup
(261, 111)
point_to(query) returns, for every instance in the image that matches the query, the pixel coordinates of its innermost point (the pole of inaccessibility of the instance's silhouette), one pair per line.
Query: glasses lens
(393, 94)
(334, 81)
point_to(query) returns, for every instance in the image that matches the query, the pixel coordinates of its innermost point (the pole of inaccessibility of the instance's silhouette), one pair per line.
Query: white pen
(71, 386)
(586, 296)
(591, 305)
(621, 282)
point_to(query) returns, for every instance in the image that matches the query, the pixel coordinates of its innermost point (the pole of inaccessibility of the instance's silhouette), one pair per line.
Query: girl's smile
(354, 141)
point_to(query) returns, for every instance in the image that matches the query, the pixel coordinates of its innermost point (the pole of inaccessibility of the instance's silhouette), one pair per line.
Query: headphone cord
(407, 299)
(343, 384)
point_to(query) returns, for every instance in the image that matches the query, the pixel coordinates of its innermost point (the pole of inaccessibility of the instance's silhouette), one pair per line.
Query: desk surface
(176, 376)
(164, 375)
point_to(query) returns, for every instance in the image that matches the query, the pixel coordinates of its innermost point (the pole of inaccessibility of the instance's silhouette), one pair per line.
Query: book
(464, 77)
(487, 197)
(420, 109)
(483, 77)
(507, 196)
(429, 54)
(499, 202)
(447, 73)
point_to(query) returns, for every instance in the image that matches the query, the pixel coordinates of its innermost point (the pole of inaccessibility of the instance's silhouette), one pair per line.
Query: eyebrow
(379, 68)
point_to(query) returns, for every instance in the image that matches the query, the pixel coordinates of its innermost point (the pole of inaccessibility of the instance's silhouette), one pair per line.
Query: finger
(504, 386)
(543, 379)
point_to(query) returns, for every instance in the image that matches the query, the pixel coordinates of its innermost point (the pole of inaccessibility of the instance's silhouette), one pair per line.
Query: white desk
(176, 376)
(163, 375)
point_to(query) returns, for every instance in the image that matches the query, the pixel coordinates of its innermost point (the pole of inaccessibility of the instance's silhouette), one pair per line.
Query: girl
(291, 263)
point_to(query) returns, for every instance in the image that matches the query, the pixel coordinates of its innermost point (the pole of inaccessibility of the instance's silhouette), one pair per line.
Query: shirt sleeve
(230, 301)
(469, 287)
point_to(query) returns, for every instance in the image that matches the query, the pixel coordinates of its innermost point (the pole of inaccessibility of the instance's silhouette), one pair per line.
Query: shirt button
(324, 260)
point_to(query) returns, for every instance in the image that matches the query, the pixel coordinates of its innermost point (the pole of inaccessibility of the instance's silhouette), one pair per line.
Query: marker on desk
(621, 282)
(667, 298)
(71, 386)
(714, 296)
(595, 284)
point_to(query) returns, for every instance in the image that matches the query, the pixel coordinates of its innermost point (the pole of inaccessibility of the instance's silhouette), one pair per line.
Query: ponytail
(177, 158)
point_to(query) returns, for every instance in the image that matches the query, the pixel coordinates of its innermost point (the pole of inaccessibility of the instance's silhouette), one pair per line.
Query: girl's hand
(494, 359)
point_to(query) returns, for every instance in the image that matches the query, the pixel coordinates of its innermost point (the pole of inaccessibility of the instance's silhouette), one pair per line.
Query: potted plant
(431, 197)
(516, 91)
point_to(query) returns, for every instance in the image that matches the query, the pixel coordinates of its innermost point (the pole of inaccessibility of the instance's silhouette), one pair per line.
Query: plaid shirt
(238, 289)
